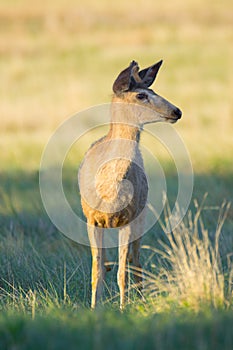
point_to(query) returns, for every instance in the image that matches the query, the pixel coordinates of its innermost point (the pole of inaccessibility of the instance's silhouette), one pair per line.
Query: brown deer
(112, 180)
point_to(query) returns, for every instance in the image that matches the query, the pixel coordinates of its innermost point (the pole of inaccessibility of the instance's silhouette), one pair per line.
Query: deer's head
(132, 87)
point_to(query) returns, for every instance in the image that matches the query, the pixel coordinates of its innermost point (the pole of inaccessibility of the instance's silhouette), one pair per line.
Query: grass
(57, 58)
(95, 330)
(46, 279)
(191, 272)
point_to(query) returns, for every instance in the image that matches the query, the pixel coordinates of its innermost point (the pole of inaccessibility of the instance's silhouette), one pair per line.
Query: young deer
(114, 188)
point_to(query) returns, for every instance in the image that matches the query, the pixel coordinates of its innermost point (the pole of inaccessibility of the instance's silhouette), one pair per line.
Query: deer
(112, 179)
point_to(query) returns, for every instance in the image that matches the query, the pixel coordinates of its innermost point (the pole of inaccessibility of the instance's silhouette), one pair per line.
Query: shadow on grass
(34, 255)
(20, 194)
(21, 204)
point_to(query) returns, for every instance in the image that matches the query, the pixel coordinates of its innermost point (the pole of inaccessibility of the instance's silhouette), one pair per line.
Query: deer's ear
(125, 80)
(148, 75)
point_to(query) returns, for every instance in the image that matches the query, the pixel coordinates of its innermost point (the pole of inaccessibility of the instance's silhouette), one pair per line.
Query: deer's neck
(123, 122)
(123, 131)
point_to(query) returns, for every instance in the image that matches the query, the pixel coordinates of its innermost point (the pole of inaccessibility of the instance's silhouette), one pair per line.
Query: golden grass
(190, 270)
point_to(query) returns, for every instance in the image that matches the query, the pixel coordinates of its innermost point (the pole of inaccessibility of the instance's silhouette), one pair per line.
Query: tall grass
(188, 273)
(191, 271)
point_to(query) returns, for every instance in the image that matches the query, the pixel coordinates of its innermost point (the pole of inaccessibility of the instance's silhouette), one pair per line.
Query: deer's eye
(141, 96)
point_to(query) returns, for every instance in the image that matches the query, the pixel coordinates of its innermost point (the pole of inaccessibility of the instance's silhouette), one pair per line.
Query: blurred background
(58, 57)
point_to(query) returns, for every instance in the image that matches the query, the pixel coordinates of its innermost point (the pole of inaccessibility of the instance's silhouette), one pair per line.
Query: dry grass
(190, 271)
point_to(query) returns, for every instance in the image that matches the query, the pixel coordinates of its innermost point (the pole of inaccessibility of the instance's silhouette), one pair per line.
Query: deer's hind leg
(136, 263)
(95, 235)
(137, 227)
(124, 239)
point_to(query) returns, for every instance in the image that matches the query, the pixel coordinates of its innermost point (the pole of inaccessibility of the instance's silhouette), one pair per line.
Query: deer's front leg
(95, 235)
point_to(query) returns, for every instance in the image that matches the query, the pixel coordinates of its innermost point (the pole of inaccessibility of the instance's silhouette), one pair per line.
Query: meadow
(58, 58)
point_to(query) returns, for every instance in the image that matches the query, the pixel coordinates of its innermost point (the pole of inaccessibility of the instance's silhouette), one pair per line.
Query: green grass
(57, 58)
(85, 330)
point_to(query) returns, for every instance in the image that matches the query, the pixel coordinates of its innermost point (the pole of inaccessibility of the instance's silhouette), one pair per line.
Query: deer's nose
(177, 113)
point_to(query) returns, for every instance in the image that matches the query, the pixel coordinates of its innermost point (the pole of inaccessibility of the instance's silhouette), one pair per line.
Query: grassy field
(58, 58)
